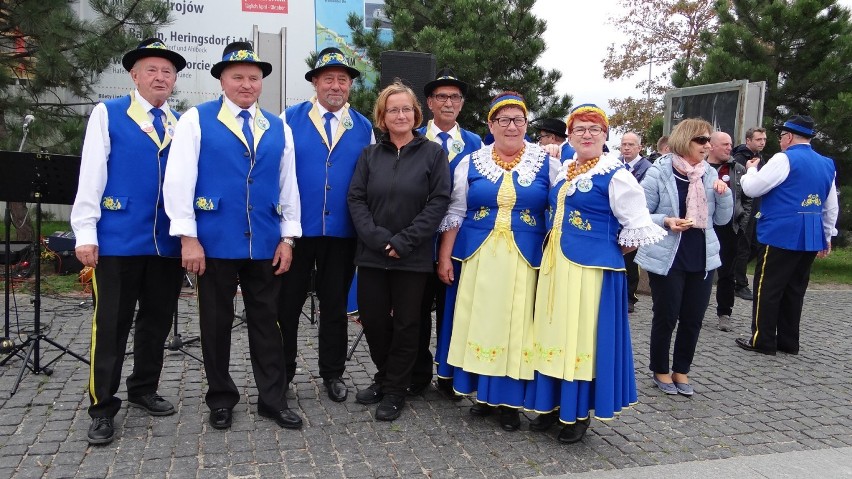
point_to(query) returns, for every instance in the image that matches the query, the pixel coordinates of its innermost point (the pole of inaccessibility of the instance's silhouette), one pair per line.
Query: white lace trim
(605, 164)
(450, 222)
(643, 236)
(529, 166)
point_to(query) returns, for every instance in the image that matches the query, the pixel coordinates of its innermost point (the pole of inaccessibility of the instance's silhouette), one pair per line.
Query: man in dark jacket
(631, 145)
(730, 172)
(747, 243)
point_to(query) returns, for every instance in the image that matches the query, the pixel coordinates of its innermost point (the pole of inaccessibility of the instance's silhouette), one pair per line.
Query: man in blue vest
(445, 99)
(637, 165)
(795, 224)
(330, 136)
(230, 191)
(552, 132)
(122, 232)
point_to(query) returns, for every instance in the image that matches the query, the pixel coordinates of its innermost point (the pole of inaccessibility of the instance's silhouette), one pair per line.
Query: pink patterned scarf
(696, 199)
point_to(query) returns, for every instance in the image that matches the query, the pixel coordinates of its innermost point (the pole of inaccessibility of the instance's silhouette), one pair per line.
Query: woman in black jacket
(398, 197)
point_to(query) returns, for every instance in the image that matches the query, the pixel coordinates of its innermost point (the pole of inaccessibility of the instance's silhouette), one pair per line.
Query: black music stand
(39, 178)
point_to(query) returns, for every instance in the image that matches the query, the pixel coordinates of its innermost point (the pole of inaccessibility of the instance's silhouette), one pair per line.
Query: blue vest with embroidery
(236, 204)
(527, 216)
(589, 228)
(324, 177)
(791, 213)
(133, 221)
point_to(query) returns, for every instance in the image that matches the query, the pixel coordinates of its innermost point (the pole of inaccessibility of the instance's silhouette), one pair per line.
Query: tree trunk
(21, 221)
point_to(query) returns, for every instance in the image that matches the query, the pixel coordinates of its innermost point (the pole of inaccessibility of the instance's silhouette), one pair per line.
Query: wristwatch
(289, 241)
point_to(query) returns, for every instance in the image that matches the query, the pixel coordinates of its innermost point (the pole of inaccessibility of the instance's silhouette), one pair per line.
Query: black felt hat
(240, 52)
(152, 47)
(801, 125)
(331, 57)
(551, 125)
(445, 77)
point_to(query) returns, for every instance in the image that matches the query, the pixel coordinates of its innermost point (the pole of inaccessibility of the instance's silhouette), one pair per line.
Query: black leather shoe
(794, 352)
(445, 385)
(419, 388)
(336, 389)
(745, 344)
(153, 403)
(284, 418)
(573, 432)
(101, 431)
(371, 395)
(744, 293)
(542, 422)
(481, 409)
(510, 420)
(390, 408)
(221, 418)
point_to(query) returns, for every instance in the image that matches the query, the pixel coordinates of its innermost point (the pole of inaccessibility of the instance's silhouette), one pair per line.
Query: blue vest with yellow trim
(527, 215)
(471, 140)
(589, 227)
(236, 204)
(133, 221)
(324, 177)
(791, 213)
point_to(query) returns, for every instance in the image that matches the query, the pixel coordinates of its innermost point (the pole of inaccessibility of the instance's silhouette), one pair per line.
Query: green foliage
(50, 58)
(802, 49)
(492, 45)
(835, 269)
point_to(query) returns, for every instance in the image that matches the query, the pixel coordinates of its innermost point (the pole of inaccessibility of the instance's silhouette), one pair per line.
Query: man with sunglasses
(445, 99)
(552, 132)
(795, 224)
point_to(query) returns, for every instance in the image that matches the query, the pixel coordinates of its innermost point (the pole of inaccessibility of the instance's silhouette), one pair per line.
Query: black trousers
(680, 300)
(747, 247)
(780, 281)
(390, 305)
(632, 276)
(435, 293)
(725, 277)
(260, 289)
(333, 259)
(119, 283)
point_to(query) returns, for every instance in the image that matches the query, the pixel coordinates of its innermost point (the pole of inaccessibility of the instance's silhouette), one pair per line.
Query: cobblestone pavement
(745, 404)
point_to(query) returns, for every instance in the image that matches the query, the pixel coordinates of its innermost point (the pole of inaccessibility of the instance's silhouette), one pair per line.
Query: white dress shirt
(182, 174)
(93, 172)
(757, 182)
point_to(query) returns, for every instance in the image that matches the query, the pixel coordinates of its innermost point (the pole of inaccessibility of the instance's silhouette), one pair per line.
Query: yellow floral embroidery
(527, 218)
(111, 203)
(485, 354)
(578, 222)
(547, 354)
(582, 358)
(812, 200)
(526, 356)
(482, 213)
(241, 55)
(332, 56)
(204, 204)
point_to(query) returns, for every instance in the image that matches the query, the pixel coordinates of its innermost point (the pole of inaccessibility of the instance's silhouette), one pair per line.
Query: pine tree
(802, 49)
(492, 45)
(49, 60)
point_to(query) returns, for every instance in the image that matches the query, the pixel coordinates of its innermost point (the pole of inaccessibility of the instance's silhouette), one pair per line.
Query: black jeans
(680, 300)
(632, 276)
(725, 281)
(389, 303)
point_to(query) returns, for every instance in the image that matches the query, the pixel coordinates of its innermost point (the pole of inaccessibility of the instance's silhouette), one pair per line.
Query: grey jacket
(661, 196)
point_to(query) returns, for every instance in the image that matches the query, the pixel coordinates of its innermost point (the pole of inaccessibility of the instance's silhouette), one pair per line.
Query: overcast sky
(582, 68)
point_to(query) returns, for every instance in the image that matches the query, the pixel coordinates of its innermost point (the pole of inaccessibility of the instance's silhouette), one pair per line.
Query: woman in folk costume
(582, 353)
(495, 227)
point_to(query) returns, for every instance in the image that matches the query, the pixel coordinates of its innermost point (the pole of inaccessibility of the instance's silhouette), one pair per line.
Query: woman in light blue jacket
(685, 197)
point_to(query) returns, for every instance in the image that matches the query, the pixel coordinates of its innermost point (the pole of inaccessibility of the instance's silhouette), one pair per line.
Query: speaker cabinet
(415, 69)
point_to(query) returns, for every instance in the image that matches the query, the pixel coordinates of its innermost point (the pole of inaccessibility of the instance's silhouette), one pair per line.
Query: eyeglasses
(443, 97)
(504, 121)
(406, 110)
(546, 136)
(701, 140)
(781, 135)
(581, 130)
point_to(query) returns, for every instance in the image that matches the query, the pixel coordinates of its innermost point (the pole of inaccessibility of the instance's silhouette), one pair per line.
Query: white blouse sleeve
(555, 169)
(458, 198)
(627, 201)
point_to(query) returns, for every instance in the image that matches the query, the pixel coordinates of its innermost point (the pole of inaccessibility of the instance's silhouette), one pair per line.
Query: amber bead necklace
(507, 165)
(574, 170)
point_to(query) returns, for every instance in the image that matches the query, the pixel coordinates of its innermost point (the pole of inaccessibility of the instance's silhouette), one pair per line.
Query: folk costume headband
(587, 108)
(505, 100)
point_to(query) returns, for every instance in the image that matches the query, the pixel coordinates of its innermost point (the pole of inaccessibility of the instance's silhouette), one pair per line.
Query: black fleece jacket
(399, 197)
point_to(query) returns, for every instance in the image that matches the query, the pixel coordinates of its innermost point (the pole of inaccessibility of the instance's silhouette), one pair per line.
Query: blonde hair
(379, 111)
(684, 132)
